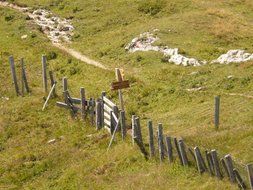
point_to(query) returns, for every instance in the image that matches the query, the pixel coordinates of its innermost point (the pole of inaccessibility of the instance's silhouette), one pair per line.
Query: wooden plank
(64, 105)
(107, 109)
(14, 75)
(108, 102)
(239, 179)
(108, 123)
(230, 167)
(151, 139)
(217, 112)
(113, 135)
(169, 149)
(48, 97)
(160, 142)
(44, 73)
(24, 77)
(183, 152)
(178, 151)
(120, 85)
(192, 153)
(123, 124)
(250, 174)
(216, 165)
(107, 116)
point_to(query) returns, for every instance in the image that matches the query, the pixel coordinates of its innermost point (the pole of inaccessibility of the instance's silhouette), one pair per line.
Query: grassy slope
(158, 90)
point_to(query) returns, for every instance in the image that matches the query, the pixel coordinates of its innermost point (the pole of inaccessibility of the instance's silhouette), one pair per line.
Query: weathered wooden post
(217, 112)
(98, 114)
(178, 151)
(102, 108)
(183, 152)
(134, 133)
(65, 84)
(223, 164)
(138, 129)
(51, 76)
(209, 162)
(216, 164)
(239, 179)
(23, 74)
(83, 103)
(119, 78)
(199, 160)
(14, 75)
(169, 149)
(151, 139)
(123, 125)
(92, 110)
(44, 73)
(160, 142)
(230, 167)
(250, 174)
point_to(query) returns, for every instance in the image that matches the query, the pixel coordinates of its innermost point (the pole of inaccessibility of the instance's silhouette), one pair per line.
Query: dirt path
(60, 46)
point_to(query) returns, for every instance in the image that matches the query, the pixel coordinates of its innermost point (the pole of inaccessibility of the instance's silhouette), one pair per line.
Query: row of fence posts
(96, 110)
(207, 162)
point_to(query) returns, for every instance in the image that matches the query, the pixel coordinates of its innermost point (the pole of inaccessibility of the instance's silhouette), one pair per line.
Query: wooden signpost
(119, 85)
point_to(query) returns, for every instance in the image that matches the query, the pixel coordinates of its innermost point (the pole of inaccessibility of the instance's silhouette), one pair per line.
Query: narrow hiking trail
(62, 47)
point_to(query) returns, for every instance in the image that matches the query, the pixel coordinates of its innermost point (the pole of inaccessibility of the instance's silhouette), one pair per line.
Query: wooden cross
(120, 84)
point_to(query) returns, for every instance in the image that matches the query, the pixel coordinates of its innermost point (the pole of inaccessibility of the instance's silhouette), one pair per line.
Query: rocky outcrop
(234, 56)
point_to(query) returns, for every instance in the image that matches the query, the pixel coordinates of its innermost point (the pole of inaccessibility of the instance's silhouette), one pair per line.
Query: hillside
(160, 91)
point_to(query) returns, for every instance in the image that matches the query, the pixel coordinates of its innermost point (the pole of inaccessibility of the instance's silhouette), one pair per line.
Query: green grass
(201, 29)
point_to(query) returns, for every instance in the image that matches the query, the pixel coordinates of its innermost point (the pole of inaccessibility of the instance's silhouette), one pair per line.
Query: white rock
(24, 37)
(234, 56)
(52, 141)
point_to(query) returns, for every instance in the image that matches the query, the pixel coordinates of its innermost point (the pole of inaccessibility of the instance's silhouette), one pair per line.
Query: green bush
(151, 7)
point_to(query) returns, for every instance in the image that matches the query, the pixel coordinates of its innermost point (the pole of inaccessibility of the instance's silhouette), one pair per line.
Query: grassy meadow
(78, 159)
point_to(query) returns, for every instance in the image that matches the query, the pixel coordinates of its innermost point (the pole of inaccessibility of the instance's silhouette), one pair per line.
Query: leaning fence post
(23, 74)
(230, 167)
(199, 160)
(14, 76)
(83, 102)
(183, 152)
(217, 112)
(250, 174)
(223, 164)
(151, 139)
(239, 179)
(160, 142)
(123, 124)
(44, 72)
(216, 164)
(178, 151)
(169, 149)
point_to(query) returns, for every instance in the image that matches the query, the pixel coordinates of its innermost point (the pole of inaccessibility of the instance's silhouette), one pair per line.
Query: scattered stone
(5, 98)
(195, 89)
(230, 76)
(144, 43)
(234, 56)
(24, 37)
(52, 141)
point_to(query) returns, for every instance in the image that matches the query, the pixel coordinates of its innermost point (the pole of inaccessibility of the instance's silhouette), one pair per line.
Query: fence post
(183, 152)
(209, 162)
(14, 76)
(216, 164)
(199, 160)
(44, 72)
(230, 167)
(250, 174)
(23, 74)
(217, 112)
(98, 115)
(65, 84)
(223, 163)
(239, 179)
(178, 151)
(169, 149)
(123, 124)
(138, 129)
(151, 139)
(92, 106)
(83, 103)
(133, 128)
(160, 142)
(102, 107)
(51, 76)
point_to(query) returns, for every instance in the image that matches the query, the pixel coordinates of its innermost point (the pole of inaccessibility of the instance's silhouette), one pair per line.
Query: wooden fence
(104, 113)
